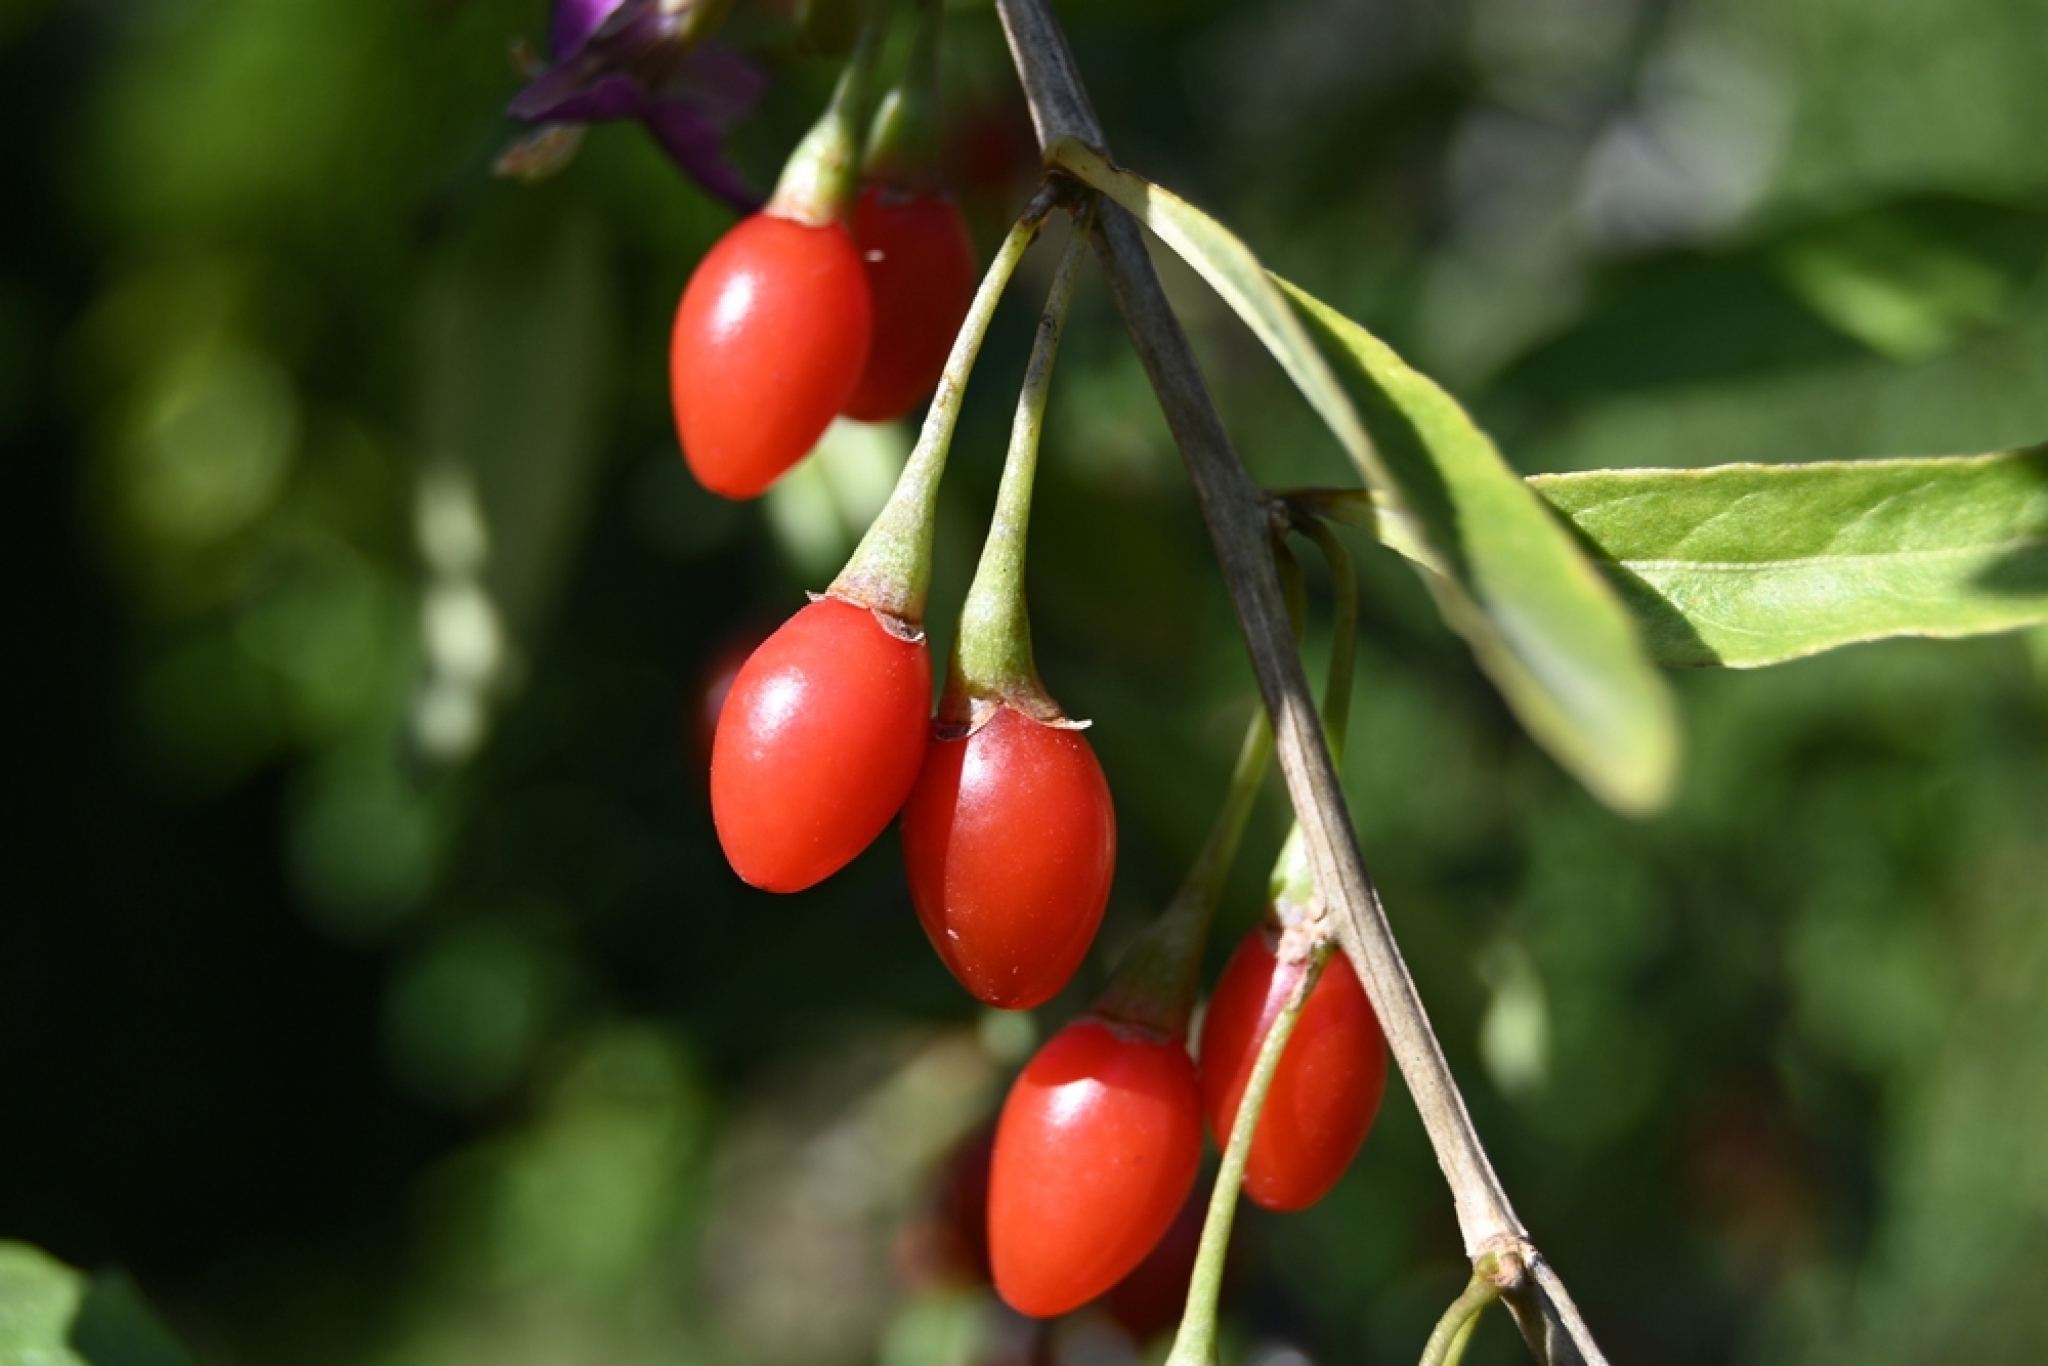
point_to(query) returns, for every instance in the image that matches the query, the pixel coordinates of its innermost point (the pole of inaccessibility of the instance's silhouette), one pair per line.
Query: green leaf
(1233, 272)
(1543, 625)
(39, 1297)
(1746, 565)
(52, 1315)
(117, 1327)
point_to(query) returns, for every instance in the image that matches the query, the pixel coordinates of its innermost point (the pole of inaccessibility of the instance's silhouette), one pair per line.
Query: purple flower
(575, 21)
(641, 59)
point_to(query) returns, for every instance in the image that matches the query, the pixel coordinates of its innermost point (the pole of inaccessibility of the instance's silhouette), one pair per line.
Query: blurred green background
(373, 990)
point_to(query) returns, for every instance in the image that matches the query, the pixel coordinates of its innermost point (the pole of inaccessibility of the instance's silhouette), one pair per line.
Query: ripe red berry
(1152, 1298)
(1095, 1152)
(771, 335)
(947, 1244)
(1009, 839)
(700, 717)
(1327, 1088)
(818, 744)
(920, 264)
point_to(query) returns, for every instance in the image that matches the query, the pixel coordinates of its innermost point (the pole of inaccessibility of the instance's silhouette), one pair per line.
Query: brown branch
(1239, 519)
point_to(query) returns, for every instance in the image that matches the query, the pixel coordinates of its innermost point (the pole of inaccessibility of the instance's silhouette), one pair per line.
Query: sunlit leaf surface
(1543, 626)
(1745, 565)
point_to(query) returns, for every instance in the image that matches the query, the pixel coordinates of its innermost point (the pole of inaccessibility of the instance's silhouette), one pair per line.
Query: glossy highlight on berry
(818, 744)
(920, 266)
(1096, 1150)
(1327, 1088)
(1009, 839)
(770, 337)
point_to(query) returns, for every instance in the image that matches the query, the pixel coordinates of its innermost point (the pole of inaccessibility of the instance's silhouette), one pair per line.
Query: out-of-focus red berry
(920, 264)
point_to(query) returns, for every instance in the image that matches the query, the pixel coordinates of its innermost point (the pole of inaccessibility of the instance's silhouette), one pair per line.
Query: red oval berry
(1009, 839)
(1152, 1298)
(1095, 1151)
(771, 335)
(818, 744)
(700, 718)
(1327, 1088)
(920, 264)
(948, 1243)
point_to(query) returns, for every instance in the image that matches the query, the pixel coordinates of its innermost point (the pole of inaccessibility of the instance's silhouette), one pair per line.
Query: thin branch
(1446, 1345)
(1240, 522)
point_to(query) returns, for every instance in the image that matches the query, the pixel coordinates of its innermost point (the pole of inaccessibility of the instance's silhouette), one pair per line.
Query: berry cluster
(787, 324)
(851, 300)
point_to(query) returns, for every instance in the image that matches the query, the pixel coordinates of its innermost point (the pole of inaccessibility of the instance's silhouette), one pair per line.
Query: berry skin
(771, 335)
(1009, 839)
(818, 744)
(1152, 1298)
(920, 265)
(1095, 1152)
(1327, 1088)
(700, 718)
(948, 1244)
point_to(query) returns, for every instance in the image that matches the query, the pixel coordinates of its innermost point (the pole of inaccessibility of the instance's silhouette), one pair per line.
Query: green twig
(1154, 987)
(992, 660)
(1195, 1344)
(818, 181)
(1446, 1346)
(1343, 634)
(904, 139)
(1292, 889)
(891, 569)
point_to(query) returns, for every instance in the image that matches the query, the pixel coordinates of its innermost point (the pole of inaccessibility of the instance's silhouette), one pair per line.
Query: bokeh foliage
(374, 988)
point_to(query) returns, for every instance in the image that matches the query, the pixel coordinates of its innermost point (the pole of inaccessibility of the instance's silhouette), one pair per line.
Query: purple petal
(640, 43)
(564, 95)
(623, 59)
(697, 145)
(575, 21)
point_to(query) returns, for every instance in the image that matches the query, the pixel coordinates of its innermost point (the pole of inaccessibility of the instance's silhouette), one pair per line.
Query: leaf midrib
(1856, 557)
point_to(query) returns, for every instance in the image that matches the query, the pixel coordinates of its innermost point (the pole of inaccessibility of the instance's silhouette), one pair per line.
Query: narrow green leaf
(1746, 565)
(1233, 272)
(117, 1327)
(39, 1297)
(53, 1315)
(1540, 620)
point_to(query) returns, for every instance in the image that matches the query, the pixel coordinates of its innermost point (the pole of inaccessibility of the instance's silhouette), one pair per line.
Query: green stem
(1343, 634)
(1155, 985)
(1195, 1344)
(1293, 588)
(992, 660)
(890, 571)
(904, 140)
(820, 178)
(1446, 1346)
(1292, 889)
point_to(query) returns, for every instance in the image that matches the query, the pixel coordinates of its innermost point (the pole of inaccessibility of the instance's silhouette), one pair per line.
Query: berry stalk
(1195, 1343)
(903, 140)
(1293, 891)
(818, 181)
(1155, 985)
(1446, 1345)
(890, 571)
(1293, 899)
(992, 660)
